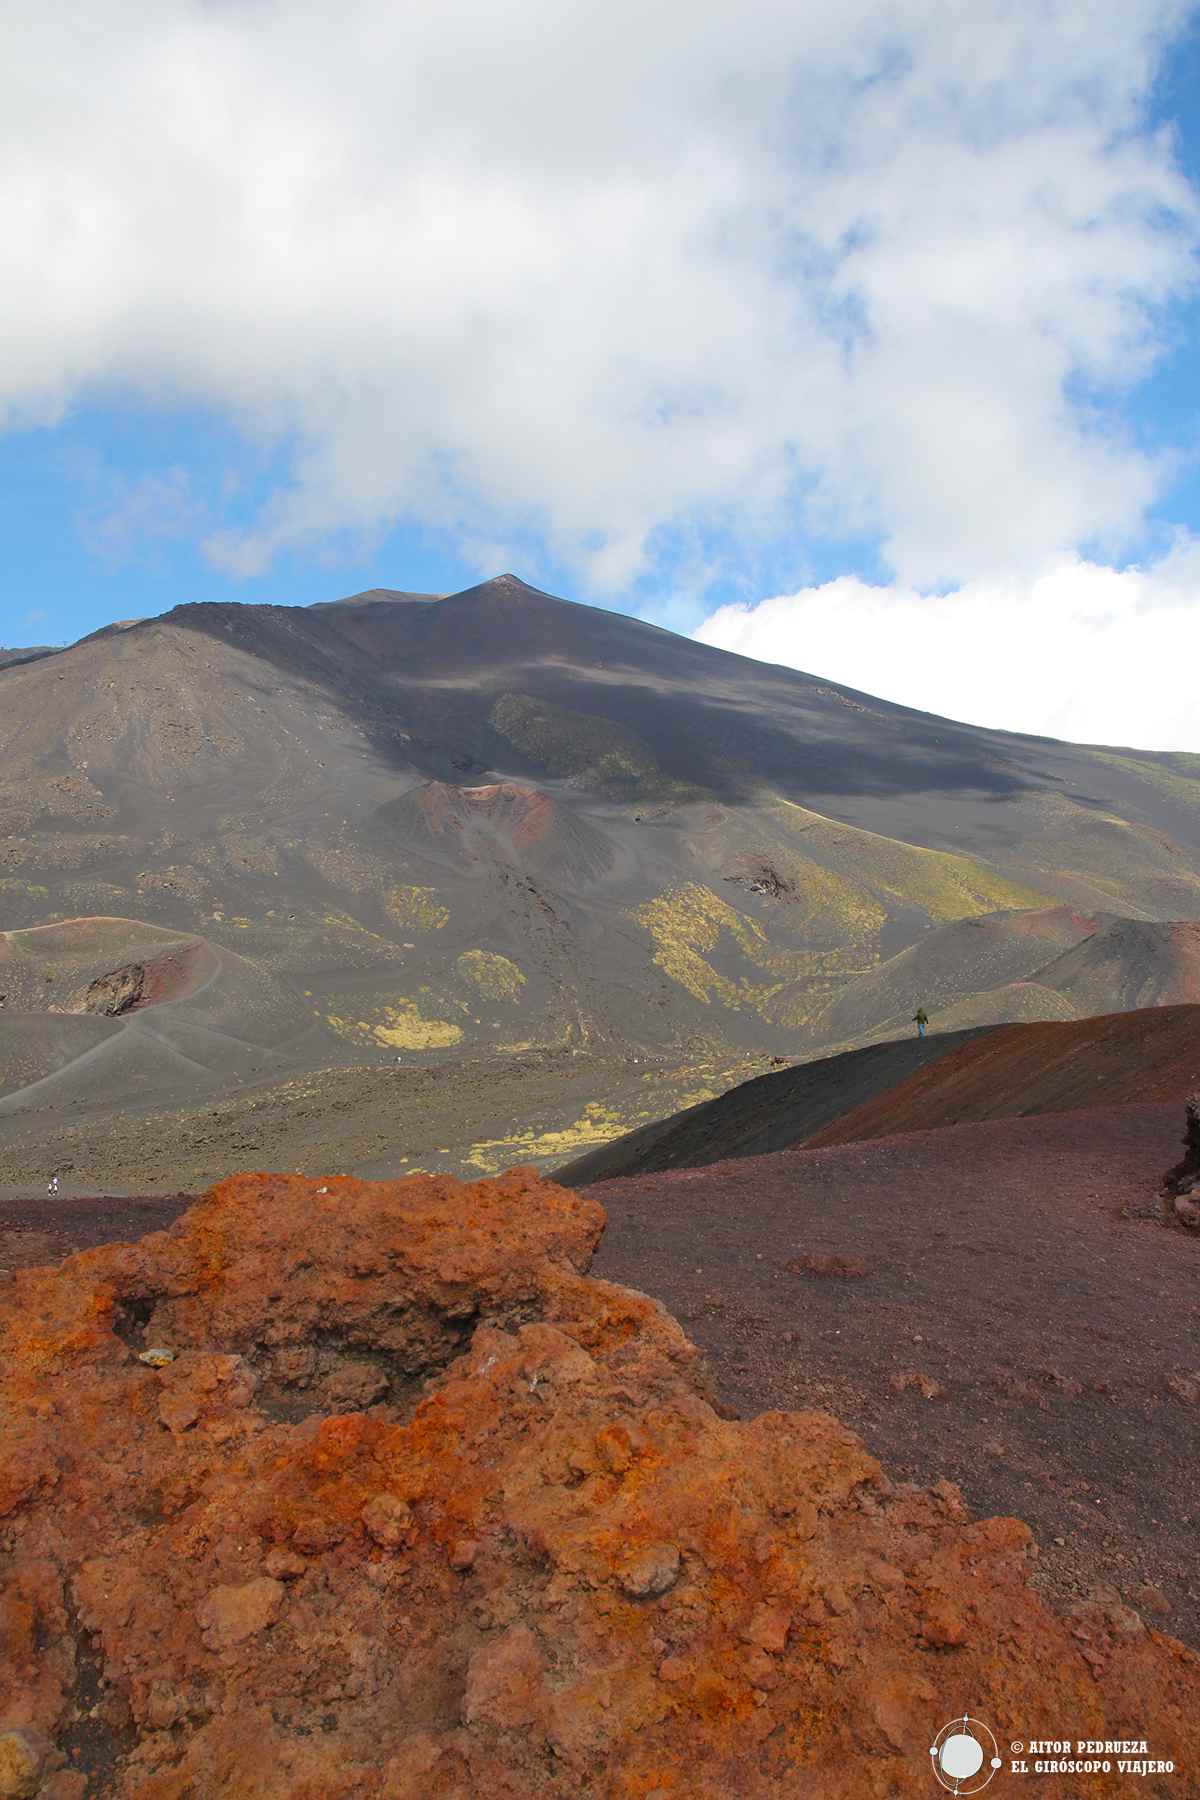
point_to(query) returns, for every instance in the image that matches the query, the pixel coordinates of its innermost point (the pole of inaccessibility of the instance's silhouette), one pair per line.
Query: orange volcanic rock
(420, 1511)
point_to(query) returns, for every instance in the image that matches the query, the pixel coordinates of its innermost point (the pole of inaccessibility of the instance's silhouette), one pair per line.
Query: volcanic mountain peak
(506, 586)
(106, 631)
(506, 599)
(376, 597)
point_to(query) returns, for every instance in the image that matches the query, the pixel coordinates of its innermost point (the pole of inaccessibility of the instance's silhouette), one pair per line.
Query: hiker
(920, 1020)
(52, 1186)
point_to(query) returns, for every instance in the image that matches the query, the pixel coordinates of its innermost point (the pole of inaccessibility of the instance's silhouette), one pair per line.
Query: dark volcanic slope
(496, 819)
(1129, 963)
(772, 1112)
(997, 1072)
(995, 969)
(31, 653)
(1012, 1329)
(1123, 965)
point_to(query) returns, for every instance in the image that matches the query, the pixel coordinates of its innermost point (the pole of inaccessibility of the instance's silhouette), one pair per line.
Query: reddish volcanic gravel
(1012, 1332)
(44, 1231)
(1048, 1067)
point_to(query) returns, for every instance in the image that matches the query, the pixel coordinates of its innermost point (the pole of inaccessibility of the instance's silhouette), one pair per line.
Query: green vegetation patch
(827, 895)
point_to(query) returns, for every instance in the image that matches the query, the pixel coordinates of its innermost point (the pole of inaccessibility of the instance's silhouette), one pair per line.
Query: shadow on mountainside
(740, 723)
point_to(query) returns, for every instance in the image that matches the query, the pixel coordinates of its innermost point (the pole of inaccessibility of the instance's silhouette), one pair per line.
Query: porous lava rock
(120, 991)
(421, 1511)
(1181, 1183)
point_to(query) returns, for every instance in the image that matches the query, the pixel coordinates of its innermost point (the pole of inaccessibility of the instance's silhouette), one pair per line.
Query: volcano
(498, 823)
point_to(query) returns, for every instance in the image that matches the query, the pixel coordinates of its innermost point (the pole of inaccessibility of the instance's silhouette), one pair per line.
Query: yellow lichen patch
(828, 896)
(954, 887)
(942, 883)
(405, 1029)
(362, 935)
(687, 919)
(401, 1026)
(817, 897)
(596, 1125)
(494, 975)
(416, 908)
(1175, 774)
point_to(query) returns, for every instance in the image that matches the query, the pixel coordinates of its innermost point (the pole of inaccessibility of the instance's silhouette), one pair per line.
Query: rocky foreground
(339, 1488)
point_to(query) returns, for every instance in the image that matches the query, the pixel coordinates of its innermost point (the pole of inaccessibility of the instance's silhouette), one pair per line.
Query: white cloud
(125, 517)
(1079, 651)
(586, 269)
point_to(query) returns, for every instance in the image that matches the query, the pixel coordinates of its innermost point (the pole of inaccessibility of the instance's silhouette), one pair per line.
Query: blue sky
(764, 310)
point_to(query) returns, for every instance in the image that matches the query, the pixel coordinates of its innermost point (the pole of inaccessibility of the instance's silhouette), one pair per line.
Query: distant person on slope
(920, 1020)
(52, 1186)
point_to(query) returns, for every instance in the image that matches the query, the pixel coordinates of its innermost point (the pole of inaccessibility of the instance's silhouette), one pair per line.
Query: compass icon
(965, 1755)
